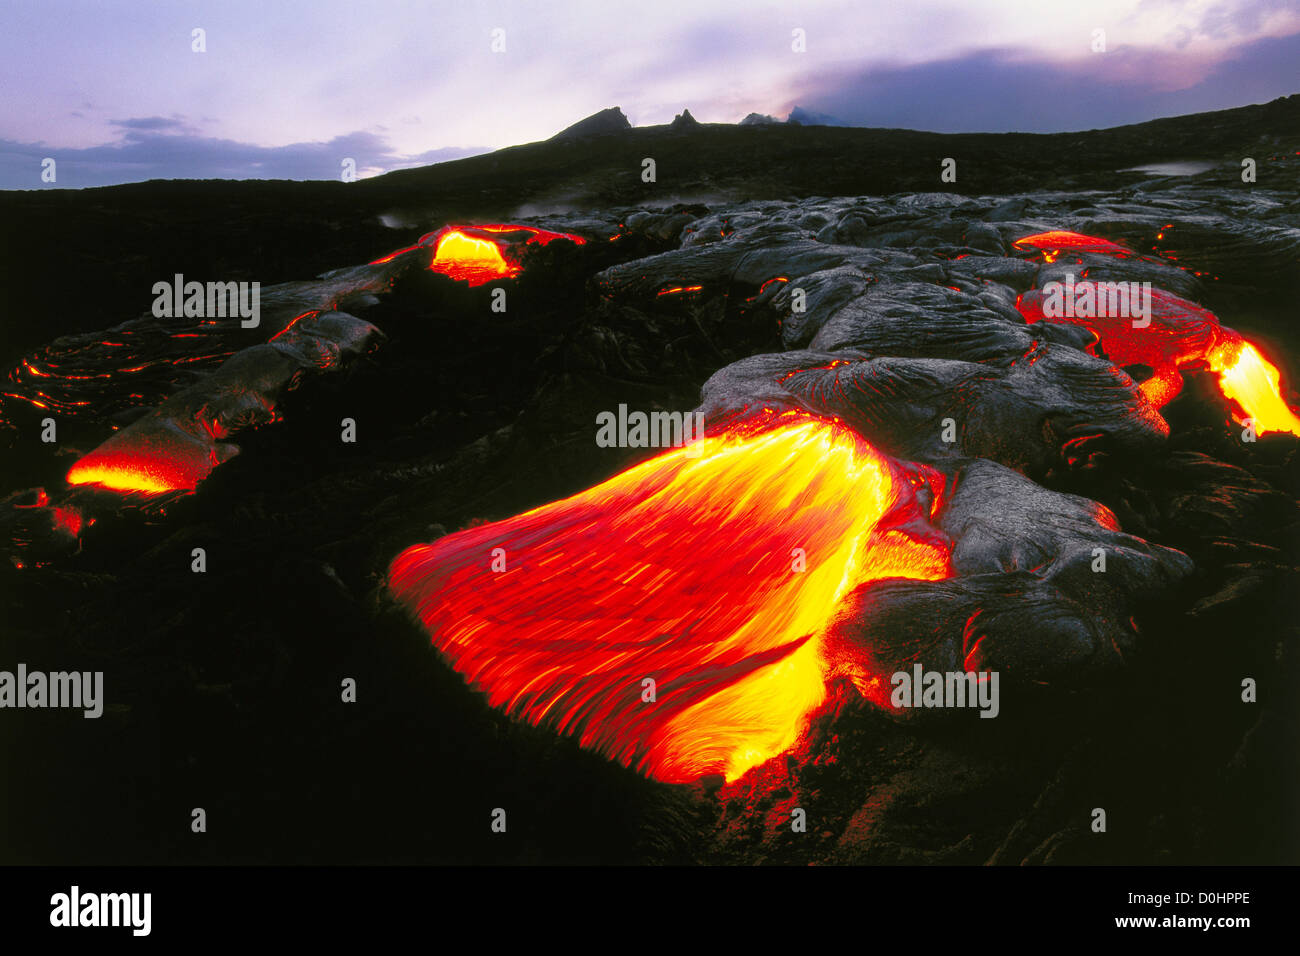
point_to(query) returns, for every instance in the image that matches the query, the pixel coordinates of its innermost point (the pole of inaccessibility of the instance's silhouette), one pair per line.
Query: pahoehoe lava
(886, 391)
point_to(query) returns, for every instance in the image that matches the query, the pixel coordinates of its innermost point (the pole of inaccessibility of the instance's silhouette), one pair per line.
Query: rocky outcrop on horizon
(611, 120)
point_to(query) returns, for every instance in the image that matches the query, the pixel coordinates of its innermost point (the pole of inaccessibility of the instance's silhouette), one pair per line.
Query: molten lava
(1179, 335)
(1056, 241)
(481, 254)
(1250, 380)
(144, 473)
(475, 261)
(711, 570)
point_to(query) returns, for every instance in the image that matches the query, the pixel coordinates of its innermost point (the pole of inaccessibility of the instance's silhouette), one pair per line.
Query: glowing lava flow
(1180, 335)
(481, 254)
(1056, 241)
(180, 442)
(476, 261)
(1250, 380)
(710, 569)
(149, 471)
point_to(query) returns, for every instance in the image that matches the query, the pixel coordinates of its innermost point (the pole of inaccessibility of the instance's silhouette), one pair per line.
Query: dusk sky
(112, 90)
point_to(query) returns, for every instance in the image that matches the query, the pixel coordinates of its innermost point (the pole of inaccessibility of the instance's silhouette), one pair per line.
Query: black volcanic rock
(611, 120)
(279, 231)
(907, 315)
(684, 121)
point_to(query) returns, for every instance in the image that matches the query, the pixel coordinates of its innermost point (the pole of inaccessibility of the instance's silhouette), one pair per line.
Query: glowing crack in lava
(1180, 335)
(481, 254)
(684, 569)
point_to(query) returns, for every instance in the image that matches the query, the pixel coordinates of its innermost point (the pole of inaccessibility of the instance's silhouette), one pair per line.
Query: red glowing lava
(1177, 335)
(481, 254)
(142, 472)
(393, 255)
(764, 287)
(711, 570)
(69, 519)
(1180, 335)
(1056, 241)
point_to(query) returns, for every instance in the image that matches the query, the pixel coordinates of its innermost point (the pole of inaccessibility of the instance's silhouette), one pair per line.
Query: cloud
(151, 123)
(1004, 91)
(154, 147)
(283, 84)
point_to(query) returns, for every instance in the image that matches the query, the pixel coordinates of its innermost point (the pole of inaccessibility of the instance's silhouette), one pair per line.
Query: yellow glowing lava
(465, 257)
(128, 476)
(712, 569)
(1250, 380)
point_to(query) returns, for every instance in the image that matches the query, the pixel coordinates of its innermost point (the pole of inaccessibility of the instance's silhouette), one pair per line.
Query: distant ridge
(611, 120)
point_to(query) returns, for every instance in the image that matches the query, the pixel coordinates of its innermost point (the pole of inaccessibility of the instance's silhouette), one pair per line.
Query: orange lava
(475, 261)
(1180, 335)
(483, 253)
(1056, 241)
(149, 471)
(711, 570)
(1252, 382)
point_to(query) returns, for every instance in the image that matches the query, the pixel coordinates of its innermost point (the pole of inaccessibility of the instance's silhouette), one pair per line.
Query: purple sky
(112, 90)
